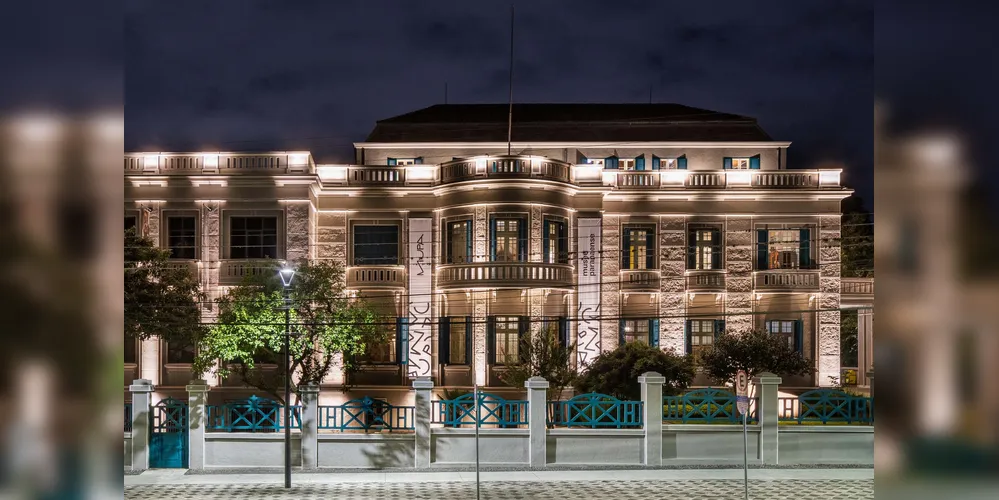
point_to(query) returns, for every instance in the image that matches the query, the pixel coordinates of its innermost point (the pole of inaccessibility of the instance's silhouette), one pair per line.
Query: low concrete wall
(715, 443)
(595, 446)
(368, 451)
(496, 446)
(128, 449)
(245, 449)
(825, 444)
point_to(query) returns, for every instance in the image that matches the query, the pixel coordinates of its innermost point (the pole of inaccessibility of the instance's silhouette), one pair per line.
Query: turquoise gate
(168, 434)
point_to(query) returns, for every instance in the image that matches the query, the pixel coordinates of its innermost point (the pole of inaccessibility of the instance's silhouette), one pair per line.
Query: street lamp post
(287, 274)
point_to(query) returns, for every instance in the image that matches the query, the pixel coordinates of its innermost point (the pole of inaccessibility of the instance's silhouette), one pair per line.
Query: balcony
(219, 163)
(857, 292)
(233, 272)
(505, 275)
(789, 280)
(505, 167)
(369, 277)
(706, 281)
(632, 180)
(712, 179)
(640, 280)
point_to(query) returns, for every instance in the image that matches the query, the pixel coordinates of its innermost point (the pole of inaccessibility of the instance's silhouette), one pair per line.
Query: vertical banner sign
(588, 305)
(420, 333)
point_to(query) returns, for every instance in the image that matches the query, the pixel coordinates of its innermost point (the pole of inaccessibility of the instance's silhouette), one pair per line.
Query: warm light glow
(608, 177)
(211, 161)
(39, 128)
(829, 178)
(297, 160)
(332, 173)
(739, 178)
(418, 173)
(673, 177)
(149, 182)
(480, 166)
(208, 182)
(151, 161)
(586, 172)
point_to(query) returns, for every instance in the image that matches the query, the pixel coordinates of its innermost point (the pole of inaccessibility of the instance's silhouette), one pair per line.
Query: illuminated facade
(612, 223)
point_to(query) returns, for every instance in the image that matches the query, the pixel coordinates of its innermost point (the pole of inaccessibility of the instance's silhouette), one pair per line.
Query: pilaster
(672, 283)
(739, 281)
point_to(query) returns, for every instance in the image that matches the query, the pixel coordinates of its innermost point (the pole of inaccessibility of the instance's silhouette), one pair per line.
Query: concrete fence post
(141, 390)
(537, 406)
(197, 399)
(652, 416)
(310, 426)
(767, 411)
(424, 387)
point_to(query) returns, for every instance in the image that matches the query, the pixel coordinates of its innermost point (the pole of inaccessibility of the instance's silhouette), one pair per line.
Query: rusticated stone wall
(739, 282)
(672, 282)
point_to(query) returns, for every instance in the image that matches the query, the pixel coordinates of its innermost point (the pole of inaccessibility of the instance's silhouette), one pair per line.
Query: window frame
(740, 159)
(794, 342)
(134, 215)
(352, 226)
(229, 215)
(469, 245)
(765, 256)
(627, 164)
(696, 250)
(701, 334)
(651, 246)
(513, 334)
(561, 255)
(523, 236)
(165, 231)
(168, 351)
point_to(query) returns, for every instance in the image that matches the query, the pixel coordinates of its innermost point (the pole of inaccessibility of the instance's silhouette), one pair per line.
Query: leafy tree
(160, 299)
(857, 242)
(328, 327)
(543, 355)
(848, 337)
(755, 351)
(615, 373)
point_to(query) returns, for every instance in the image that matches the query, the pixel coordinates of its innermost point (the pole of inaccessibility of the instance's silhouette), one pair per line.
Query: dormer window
(405, 161)
(626, 164)
(595, 161)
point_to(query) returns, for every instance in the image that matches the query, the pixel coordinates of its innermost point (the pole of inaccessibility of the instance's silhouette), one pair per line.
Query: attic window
(595, 161)
(405, 161)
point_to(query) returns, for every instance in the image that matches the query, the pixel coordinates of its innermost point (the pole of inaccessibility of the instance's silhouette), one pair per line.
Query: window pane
(507, 339)
(459, 243)
(180, 354)
(181, 234)
(507, 240)
(130, 349)
(638, 248)
(253, 237)
(376, 245)
(457, 341)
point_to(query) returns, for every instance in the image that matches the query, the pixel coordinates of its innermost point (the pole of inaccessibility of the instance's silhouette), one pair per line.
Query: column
(672, 283)
(537, 405)
(141, 390)
(766, 385)
(310, 426)
(197, 395)
(739, 282)
(480, 228)
(424, 388)
(827, 334)
(652, 416)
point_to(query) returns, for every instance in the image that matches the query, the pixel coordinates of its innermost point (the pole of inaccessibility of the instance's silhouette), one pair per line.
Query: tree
(848, 337)
(615, 373)
(160, 299)
(328, 326)
(755, 351)
(543, 355)
(857, 239)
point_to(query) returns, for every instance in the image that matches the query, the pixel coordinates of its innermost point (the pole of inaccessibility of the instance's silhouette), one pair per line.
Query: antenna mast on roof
(509, 118)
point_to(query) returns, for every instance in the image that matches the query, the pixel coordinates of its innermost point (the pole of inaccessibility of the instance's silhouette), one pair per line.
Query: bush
(615, 373)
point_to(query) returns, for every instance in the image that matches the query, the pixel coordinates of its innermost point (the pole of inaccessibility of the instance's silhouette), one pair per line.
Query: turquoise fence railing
(493, 410)
(827, 406)
(128, 417)
(253, 414)
(706, 406)
(367, 414)
(593, 410)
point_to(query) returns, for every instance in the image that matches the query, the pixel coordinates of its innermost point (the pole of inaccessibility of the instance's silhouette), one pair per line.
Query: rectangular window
(635, 330)
(130, 222)
(458, 341)
(376, 245)
(181, 237)
(702, 335)
(740, 163)
(594, 161)
(507, 339)
(383, 352)
(130, 350)
(459, 242)
(706, 249)
(783, 247)
(253, 238)
(556, 244)
(783, 328)
(626, 164)
(404, 161)
(639, 248)
(180, 353)
(509, 240)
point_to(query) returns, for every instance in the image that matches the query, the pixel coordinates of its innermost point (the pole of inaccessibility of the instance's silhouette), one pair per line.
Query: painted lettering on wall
(420, 320)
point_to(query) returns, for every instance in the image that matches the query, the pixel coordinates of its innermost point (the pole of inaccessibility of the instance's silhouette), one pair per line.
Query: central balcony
(788, 280)
(505, 275)
(505, 167)
(375, 277)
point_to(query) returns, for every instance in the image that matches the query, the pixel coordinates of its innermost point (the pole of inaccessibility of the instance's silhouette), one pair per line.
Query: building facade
(611, 223)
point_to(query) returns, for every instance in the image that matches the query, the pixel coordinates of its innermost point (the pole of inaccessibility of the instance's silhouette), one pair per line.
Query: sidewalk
(180, 477)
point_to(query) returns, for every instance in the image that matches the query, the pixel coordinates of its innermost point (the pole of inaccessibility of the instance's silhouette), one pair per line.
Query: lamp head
(287, 274)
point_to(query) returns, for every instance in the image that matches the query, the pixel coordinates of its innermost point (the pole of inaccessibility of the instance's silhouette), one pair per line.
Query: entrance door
(168, 435)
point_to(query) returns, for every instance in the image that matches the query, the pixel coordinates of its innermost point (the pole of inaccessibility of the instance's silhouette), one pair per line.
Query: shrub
(615, 373)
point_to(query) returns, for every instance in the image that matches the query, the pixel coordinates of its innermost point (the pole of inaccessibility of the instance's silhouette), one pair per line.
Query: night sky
(316, 75)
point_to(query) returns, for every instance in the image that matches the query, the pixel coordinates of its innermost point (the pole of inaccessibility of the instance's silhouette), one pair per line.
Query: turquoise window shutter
(620, 332)
(654, 332)
(546, 241)
(640, 162)
(625, 254)
(583, 159)
(610, 163)
(681, 163)
(418, 160)
(468, 241)
(468, 340)
(762, 262)
(650, 249)
(391, 161)
(522, 241)
(524, 325)
(754, 162)
(716, 249)
(444, 341)
(687, 336)
(656, 162)
(402, 340)
(727, 163)
(563, 331)
(491, 339)
(492, 239)
(719, 327)
(799, 330)
(805, 249)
